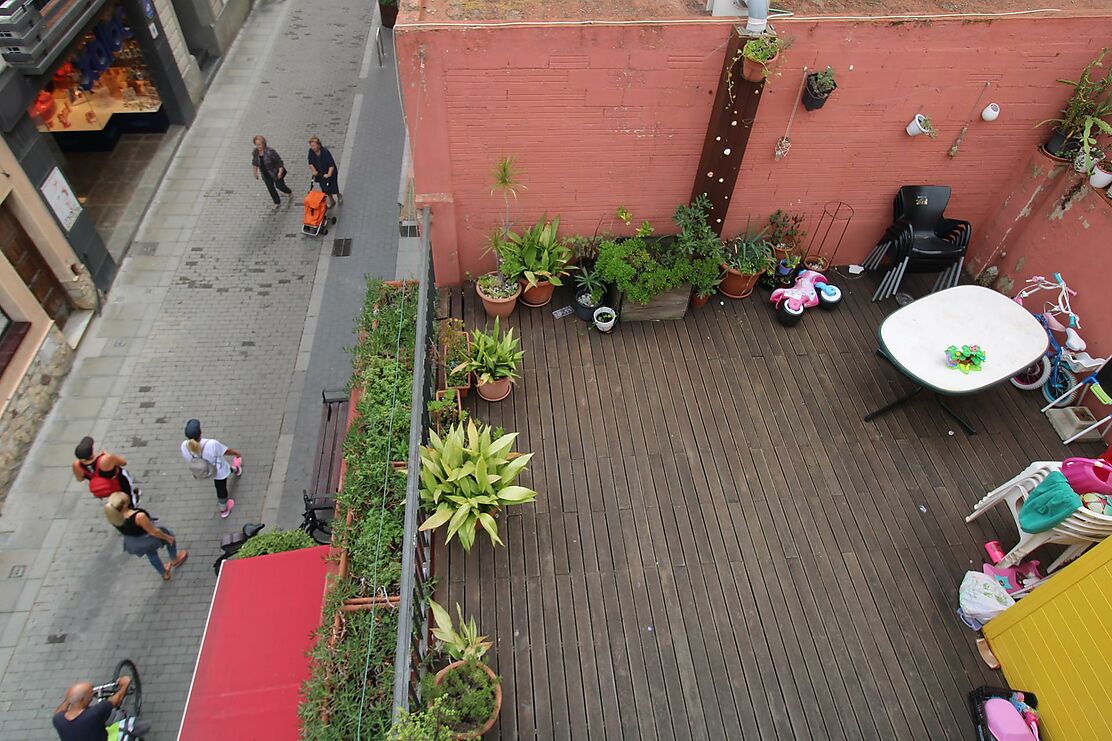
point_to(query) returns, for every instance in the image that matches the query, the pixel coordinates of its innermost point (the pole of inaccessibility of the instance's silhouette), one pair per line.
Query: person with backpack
(207, 459)
(142, 537)
(105, 472)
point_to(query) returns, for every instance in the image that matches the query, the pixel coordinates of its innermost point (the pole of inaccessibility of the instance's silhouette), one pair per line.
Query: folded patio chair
(920, 240)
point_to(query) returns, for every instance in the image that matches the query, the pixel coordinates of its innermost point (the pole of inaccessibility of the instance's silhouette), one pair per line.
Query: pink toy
(1015, 578)
(810, 289)
(1005, 722)
(995, 552)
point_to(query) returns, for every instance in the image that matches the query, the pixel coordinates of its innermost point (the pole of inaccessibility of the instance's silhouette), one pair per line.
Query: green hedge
(278, 541)
(385, 372)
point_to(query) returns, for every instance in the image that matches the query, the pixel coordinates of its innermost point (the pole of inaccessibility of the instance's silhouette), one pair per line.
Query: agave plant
(466, 477)
(463, 645)
(493, 356)
(536, 254)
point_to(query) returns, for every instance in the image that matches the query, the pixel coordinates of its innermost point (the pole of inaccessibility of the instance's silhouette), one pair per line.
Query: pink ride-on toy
(810, 289)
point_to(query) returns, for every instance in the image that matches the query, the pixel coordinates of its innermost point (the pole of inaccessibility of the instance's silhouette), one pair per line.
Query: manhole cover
(341, 247)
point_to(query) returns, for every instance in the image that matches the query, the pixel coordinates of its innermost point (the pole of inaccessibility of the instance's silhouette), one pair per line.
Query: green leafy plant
(822, 83)
(536, 254)
(464, 644)
(1089, 145)
(606, 316)
(696, 238)
(624, 215)
(1090, 98)
(506, 182)
(470, 693)
(445, 410)
(749, 253)
(763, 48)
(495, 285)
(453, 341)
(641, 268)
(785, 230)
(278, 541)
(494, 355)
(928, 126)
(467, 477)
(434, 723)
(591, 285)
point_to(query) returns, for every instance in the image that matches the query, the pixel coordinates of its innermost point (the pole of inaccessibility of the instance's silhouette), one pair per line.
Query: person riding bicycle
(75, 720)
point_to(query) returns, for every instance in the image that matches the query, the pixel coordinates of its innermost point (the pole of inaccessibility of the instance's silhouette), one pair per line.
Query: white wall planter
(918, 125)
(1101, 178)
(991, 112)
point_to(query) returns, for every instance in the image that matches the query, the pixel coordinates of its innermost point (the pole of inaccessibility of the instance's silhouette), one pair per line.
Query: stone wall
(30, 404)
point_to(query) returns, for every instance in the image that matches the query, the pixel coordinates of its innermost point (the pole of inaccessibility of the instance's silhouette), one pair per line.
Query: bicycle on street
(124, 716)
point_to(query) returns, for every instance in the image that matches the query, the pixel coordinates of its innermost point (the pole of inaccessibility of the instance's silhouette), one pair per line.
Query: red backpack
(100, 485)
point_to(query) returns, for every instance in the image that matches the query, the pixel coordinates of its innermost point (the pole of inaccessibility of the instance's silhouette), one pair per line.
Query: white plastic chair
(1016, 489)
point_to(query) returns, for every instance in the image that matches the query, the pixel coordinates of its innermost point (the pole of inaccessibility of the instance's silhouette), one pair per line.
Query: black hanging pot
(812, 100)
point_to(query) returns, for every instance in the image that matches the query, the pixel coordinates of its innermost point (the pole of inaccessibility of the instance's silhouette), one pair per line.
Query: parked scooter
(231, 543)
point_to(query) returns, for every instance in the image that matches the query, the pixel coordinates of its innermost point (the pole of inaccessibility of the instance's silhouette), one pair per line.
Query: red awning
(253, 653)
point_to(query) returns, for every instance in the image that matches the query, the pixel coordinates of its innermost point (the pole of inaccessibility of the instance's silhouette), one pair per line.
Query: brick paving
(214, 315)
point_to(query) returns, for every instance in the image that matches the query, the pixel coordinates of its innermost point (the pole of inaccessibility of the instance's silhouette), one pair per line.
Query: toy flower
(965, 358)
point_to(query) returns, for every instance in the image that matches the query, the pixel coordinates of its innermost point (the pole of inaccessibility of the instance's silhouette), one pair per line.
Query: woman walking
(207, 459)
(141, 536)
(105, 471)
(268, 164)
(325, 172)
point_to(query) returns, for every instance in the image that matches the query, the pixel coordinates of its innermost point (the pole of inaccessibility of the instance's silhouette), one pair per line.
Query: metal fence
(413, 628)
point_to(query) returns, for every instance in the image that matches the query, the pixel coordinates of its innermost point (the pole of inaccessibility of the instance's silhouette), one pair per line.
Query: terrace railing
(413, 628)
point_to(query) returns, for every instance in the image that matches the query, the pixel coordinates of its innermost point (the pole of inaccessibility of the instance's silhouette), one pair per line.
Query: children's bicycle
(1056, 371)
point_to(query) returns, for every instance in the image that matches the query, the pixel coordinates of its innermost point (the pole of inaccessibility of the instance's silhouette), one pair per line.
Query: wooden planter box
(668, 305)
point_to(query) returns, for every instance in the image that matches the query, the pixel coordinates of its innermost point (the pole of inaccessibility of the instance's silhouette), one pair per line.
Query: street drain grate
(56, 638)
(341, 247)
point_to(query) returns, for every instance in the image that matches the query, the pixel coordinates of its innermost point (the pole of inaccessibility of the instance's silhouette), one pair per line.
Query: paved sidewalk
(206, 319)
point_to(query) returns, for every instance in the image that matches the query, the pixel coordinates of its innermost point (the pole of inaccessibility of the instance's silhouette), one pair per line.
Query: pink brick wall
(615, 115)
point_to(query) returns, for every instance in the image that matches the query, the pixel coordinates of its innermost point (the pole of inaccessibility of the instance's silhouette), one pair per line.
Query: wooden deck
(721, 548)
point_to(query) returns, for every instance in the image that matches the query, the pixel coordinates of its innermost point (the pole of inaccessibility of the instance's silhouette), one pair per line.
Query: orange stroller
(316, 219)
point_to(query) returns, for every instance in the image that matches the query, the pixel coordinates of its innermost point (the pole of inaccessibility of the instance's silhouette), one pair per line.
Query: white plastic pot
(917, 127)
(1079, 162)
(1101, 178)
(991, 112)
(605, 326)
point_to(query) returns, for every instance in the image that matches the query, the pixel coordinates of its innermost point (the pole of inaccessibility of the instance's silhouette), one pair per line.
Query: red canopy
(253, 654)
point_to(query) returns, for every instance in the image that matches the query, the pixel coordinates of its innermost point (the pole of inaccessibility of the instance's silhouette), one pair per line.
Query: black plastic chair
(920, 240)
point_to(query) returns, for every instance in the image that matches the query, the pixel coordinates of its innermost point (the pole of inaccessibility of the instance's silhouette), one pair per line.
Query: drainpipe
(756, 9)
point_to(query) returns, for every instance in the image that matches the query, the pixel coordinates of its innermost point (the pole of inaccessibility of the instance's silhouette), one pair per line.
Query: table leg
(969, 429)
(874, 414)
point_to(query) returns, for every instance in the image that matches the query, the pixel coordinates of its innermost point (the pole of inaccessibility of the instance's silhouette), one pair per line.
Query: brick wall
(599, 116)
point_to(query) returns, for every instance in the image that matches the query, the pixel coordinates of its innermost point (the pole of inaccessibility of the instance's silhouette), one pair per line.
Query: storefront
(89, 89)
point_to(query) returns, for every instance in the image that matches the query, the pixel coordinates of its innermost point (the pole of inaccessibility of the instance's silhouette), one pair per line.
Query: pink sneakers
(228, 509)
(237, 466)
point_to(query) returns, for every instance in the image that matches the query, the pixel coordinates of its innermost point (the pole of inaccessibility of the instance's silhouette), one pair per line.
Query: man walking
(207, 459)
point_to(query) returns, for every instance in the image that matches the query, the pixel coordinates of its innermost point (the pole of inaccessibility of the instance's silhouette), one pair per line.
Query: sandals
(176, 563)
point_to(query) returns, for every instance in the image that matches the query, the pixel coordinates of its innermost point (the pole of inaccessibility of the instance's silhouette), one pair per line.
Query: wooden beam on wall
(731, 121)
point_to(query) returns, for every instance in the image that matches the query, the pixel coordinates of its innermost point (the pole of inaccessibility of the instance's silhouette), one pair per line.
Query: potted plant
(446, 410)
(493, 360)
(649, 276)
(1102, 175)
(499, 296)
(537, 259)
(455, 348)
(758, 54)
(698, 243)
(590, 293)
(388, 9)
(921, 124)
(785, 233)
(604, 319)
(470, 691)
(467, 476)
(819, 87)
(1089, 151)
(498, 293)
(746, 256)
(1090, 97)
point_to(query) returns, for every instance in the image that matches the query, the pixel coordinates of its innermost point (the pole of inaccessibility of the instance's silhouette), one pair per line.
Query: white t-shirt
(212, 451)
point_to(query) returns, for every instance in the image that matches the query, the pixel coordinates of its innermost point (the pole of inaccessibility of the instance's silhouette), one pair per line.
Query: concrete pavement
(216, 314)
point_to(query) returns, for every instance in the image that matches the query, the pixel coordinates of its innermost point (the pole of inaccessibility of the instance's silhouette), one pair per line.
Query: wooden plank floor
(721, 547)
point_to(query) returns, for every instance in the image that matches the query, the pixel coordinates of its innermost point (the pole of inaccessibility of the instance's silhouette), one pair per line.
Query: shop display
(85, 93)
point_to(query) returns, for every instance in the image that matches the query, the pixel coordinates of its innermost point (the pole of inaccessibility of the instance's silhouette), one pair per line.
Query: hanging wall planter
(920, 125)
(759, 54)
(1102, 175)
(819, 87)
(991, 112)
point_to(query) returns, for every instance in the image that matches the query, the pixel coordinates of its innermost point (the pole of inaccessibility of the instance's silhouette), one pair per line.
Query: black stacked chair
(920, 240)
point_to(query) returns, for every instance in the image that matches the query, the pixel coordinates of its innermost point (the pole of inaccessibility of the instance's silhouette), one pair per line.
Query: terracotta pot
(498, 307)
(736, 284)
(756, 71)
(538, 295)
(496, 391)
(478, 732)
(698, 302)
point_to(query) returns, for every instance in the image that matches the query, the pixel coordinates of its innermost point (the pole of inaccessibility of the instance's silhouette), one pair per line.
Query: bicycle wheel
(1033, 376)
(1058, 384)
(133, 700)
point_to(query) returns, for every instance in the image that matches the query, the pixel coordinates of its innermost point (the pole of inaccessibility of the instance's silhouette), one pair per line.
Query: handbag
(1088, 475)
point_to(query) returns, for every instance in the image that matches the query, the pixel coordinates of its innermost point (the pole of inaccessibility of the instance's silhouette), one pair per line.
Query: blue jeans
(156, 560)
